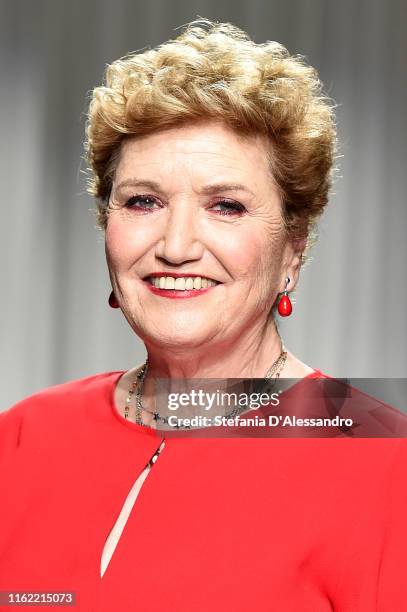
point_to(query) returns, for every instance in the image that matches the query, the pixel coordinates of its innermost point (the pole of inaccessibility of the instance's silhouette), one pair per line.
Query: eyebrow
(207, 190)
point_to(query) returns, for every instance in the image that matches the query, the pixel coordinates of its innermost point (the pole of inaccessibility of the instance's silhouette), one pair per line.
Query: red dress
(220, 524)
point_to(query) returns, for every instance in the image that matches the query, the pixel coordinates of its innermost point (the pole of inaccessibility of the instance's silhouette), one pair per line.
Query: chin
(176, 336)
(178, 344)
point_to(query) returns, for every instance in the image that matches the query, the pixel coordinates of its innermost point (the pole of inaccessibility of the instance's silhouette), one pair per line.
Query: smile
(179, 286)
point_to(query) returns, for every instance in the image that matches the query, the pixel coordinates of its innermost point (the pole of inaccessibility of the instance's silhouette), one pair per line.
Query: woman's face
(195, 202)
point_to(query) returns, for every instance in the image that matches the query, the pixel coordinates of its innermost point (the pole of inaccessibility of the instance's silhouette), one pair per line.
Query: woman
(211, 160)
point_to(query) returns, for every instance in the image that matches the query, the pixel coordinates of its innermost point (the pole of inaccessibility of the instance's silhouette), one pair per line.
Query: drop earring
(285, 307)
(113, 303)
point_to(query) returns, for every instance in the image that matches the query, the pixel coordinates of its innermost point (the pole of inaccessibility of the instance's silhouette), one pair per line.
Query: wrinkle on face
(244, 252)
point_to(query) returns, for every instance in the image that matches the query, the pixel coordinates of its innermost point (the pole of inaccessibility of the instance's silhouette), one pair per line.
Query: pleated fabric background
(350, 315)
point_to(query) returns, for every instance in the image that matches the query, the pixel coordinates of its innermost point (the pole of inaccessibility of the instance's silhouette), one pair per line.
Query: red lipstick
(174, 294)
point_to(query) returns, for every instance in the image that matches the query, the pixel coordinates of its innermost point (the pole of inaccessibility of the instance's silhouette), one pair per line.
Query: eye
(226, 207)
(142, 202)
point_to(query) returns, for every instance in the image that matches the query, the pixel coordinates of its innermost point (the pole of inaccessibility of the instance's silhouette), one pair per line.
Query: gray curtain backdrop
(55, 324)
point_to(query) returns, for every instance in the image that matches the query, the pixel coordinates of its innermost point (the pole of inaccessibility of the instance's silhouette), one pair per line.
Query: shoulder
(64, 392)
(367, 416)
(59, 403)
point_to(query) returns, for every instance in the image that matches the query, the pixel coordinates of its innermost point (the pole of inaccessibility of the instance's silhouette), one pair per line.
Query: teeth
(182, 283)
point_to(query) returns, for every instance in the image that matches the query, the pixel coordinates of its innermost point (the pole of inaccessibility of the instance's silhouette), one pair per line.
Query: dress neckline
(146, 429)
(116, 376)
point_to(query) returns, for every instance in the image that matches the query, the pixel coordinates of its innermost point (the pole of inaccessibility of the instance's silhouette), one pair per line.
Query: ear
(291, 264)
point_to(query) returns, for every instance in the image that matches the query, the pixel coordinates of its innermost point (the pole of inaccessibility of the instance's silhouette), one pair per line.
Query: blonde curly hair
(215, 71)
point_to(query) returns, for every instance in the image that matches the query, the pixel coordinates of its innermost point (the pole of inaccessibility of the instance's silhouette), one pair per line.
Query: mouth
(179, 285)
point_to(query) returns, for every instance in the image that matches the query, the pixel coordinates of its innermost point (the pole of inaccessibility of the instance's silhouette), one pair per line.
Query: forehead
(197, 149)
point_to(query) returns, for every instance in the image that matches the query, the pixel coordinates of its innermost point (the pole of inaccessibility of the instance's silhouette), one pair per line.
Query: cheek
(251, 252)
(113, 235)
(123, 243)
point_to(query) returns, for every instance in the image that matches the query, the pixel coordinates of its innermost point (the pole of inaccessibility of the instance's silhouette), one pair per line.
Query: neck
(249, 355)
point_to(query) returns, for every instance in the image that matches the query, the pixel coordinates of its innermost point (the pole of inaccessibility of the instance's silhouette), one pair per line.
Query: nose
(180, 241)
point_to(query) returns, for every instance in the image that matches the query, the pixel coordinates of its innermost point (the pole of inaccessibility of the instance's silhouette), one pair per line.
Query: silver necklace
(137, 385)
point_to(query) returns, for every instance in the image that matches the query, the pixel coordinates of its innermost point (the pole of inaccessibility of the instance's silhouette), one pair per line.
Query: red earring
(285, 307)
(113, 303)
